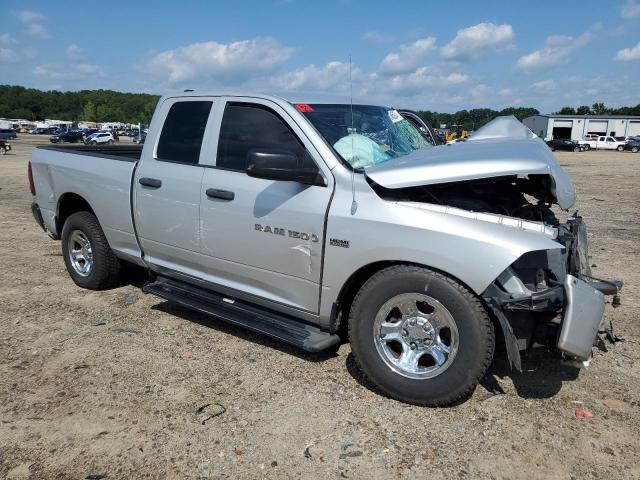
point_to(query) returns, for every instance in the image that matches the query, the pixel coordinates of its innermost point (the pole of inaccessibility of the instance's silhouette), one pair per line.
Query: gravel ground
(113, 383)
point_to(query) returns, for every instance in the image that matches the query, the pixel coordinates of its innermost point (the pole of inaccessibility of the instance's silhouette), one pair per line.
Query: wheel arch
(68, 204)
(348, 291)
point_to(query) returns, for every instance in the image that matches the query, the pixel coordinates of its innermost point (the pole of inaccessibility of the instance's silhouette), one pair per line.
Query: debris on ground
(307, 452)
(125, 330)
(238, 452)
(187, 355)
(20, 472)
(19, 364)
(274, 464)
(131, 298)
(95, 477)
(80, 366)
(98, 324)
(351, 454)
(611, 403)
(209, 411)
(429, 454)
(583, 413)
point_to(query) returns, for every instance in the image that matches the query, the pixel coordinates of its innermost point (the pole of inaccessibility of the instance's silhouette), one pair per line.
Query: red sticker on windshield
(304, 107)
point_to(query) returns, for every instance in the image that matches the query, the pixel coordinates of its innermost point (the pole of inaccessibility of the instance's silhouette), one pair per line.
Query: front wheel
(87, 255)
(576, 149)
(3, 150)
(420, 336)
(620, 148)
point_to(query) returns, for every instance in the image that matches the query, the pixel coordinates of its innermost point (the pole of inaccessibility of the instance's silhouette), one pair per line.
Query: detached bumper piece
(35, 210)
(582, 318)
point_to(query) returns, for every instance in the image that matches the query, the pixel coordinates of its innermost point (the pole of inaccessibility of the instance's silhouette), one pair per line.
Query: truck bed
(128, 153)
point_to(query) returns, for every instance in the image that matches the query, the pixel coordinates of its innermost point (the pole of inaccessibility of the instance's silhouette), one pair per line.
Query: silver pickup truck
(311, 222)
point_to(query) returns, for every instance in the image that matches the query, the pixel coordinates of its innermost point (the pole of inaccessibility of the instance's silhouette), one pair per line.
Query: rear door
(167, 185)
(263, 238)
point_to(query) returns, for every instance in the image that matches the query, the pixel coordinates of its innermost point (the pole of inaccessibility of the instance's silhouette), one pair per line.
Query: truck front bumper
(584, 307)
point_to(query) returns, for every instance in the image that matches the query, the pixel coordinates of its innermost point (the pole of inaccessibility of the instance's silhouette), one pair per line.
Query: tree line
(473, 119)
(108, 105)
(88, 105)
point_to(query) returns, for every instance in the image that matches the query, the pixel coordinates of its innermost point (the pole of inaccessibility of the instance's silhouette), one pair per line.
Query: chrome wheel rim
(80, 253)
(415, 335)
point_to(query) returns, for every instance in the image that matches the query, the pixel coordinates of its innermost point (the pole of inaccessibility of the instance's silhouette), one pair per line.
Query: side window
(247, 127)
(182, 132)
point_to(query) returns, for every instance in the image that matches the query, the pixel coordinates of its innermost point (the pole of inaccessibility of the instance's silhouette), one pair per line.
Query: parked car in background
(633, 146)
(604, 143)
(99, 138)
(8, 134)
(565, 144)
(4, 147)
(69, 136)
(41, 131)
(140, 138)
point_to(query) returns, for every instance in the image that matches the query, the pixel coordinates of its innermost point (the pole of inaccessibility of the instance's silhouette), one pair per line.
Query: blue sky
(417, 54)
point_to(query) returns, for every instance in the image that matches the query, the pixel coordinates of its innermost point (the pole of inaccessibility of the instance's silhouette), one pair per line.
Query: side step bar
(270, 323)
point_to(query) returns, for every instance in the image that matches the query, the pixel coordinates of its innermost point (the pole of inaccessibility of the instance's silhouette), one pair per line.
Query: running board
(275, 325)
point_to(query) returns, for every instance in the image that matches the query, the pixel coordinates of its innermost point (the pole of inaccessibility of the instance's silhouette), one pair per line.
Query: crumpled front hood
(501, 148)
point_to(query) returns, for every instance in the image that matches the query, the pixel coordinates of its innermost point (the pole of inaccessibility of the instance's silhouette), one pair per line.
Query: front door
(263, 237)
(167, 186)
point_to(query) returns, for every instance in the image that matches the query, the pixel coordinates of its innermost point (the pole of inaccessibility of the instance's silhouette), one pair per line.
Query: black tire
(634, 149)
(105, 271)
(620, 148)
(3, 151)
(94, 143)
(576, 149)
(475, 332)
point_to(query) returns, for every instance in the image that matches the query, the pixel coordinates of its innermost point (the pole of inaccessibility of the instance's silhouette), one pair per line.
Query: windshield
(374, 135)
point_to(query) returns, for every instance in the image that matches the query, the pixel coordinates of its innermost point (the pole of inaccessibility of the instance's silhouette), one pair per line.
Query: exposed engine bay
(527, 198)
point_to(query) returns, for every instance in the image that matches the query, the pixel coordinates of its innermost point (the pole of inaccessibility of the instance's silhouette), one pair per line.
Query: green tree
(599, 108)
(567, 111)
(89, 112)
(583, 110)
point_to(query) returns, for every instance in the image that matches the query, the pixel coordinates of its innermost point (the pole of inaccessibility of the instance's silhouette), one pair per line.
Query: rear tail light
(32, 187)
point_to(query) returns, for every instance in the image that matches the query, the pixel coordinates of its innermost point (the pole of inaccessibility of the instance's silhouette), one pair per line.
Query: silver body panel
(485, 156)
(184, 233)
(582, 317)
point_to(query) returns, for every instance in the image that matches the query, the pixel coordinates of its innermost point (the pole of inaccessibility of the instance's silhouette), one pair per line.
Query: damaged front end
(550, 298)
(506, 175)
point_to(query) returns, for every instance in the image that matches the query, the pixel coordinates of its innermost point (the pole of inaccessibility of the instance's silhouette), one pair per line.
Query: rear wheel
(576, 149)
(420, 336)
(620, 148)
(87, 255)
(634, 149)
(3, 150)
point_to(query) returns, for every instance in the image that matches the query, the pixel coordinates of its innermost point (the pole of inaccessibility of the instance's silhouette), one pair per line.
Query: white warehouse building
(575, 127)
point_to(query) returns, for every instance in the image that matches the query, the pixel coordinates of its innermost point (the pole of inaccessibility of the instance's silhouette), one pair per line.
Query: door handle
(221, 194)
(150, 182)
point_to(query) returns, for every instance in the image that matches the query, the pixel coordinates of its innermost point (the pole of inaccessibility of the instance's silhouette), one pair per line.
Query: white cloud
(423, 78)
(220, 61)
(505, 92)
(544, 85)
(374, 36)
(38, 30)
(6, 39)
(333, 76)
(557, 51)
(409, 57)
(89, 68)
(74, 52)
(68, 72)
(470, 43)
(29, 16)
(6, 54)
(630, 10)
(628, 54)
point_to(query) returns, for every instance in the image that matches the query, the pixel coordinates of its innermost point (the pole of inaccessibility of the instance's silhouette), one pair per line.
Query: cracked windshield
(375, 135)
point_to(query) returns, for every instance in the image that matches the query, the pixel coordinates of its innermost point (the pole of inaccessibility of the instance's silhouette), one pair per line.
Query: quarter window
(182, 132)
(248, 127)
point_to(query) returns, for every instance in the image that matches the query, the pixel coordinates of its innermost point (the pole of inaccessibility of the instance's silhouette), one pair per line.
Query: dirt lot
(80, 396)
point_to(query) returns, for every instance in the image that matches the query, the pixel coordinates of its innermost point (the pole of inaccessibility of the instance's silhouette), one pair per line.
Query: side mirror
(278, 165)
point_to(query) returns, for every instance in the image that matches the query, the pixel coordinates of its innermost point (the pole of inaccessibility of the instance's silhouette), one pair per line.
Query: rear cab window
(183, 130)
